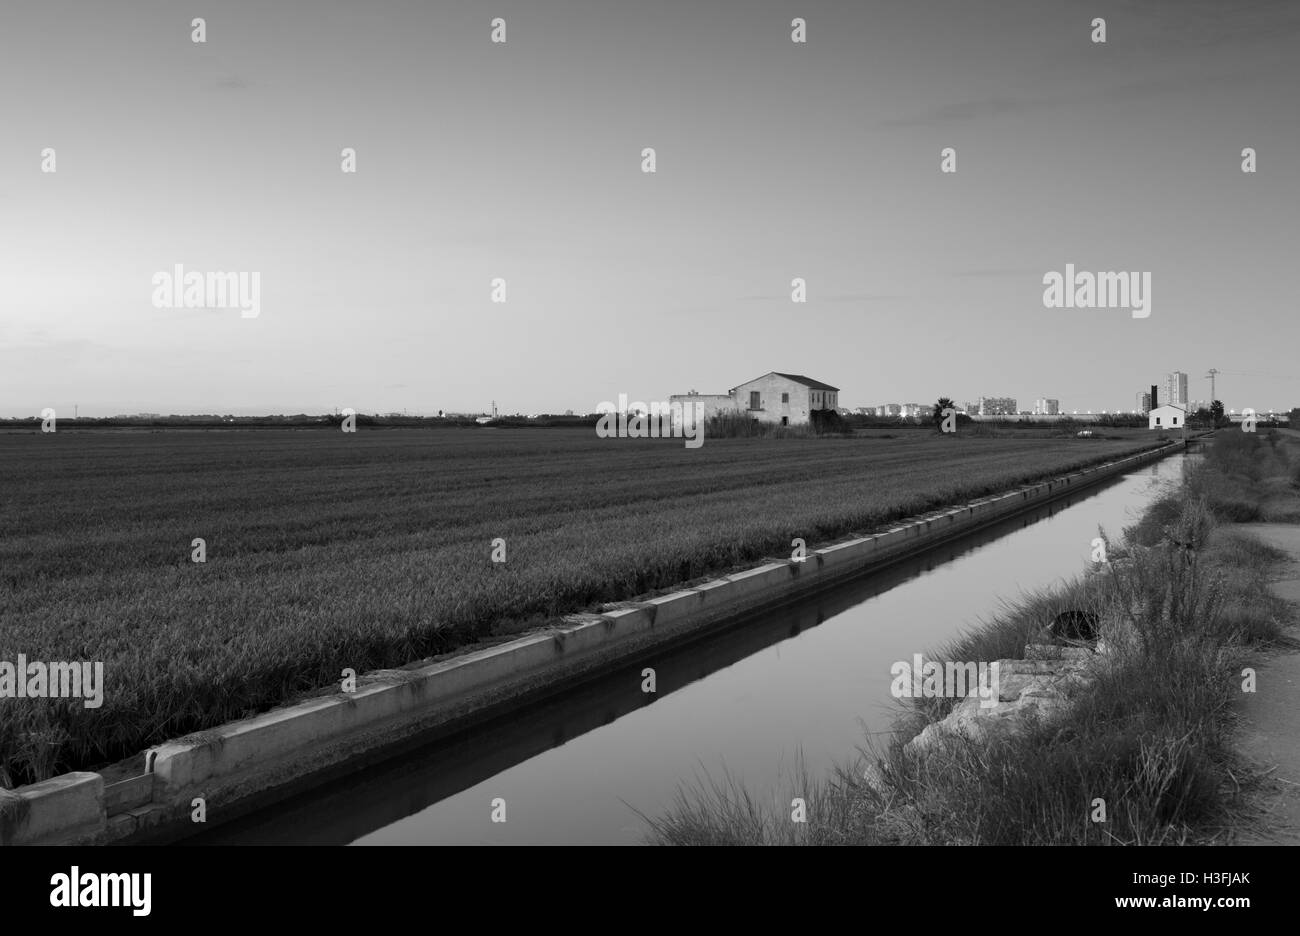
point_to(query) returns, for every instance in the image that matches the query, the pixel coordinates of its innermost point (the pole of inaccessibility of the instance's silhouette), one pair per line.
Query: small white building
(1167, 417)
(707, 405)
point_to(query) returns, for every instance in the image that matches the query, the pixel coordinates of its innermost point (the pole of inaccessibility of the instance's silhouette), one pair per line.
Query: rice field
(327, 550)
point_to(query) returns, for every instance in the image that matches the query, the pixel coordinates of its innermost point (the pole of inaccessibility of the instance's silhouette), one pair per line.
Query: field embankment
(1269, 731)
(1143, 753)
(327, 550)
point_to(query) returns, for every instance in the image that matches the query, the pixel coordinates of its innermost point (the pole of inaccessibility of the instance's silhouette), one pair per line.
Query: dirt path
(1270, 717)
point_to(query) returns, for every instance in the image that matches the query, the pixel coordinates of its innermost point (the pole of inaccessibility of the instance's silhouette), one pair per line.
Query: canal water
(804, 682)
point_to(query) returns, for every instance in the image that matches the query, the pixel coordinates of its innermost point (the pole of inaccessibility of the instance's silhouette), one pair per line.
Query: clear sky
(523, 161)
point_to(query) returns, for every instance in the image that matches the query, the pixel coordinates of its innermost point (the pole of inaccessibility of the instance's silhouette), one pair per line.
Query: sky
(523, 160)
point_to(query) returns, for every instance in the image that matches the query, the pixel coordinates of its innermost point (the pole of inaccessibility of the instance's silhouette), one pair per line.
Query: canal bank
(254, 763)
(1269, 735)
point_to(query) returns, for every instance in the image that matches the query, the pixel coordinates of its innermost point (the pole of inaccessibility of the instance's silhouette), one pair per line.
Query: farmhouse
(787, 399)
(1166, 417)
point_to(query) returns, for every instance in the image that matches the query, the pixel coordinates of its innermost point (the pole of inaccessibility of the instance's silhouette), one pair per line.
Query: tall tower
(1176, 389)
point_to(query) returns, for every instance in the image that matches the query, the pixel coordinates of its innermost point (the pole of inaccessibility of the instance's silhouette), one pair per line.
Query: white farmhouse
(1167, 417)
(787, 399)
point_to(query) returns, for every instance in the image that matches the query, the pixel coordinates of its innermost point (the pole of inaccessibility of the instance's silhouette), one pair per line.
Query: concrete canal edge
(252, 763)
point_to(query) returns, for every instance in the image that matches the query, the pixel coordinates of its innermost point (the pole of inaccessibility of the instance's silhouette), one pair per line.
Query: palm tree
(943, 404)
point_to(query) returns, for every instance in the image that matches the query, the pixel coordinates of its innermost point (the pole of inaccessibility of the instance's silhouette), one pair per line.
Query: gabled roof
(1169, 406)
(797, 378)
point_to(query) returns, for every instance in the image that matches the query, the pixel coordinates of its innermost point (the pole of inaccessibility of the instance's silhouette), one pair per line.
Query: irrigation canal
(807, 680)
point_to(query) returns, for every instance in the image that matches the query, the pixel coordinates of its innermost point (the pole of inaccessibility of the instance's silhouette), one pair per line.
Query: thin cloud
(963, 274)
(834, 297)
(859, 297)
(972, 110)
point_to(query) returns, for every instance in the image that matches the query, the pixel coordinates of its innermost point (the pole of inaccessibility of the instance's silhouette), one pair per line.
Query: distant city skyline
(1164, 383)
(1188, 400)
(1048, 406)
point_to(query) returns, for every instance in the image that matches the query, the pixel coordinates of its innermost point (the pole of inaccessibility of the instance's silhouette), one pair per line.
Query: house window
(1157, 420)
(753, 399)
(785, 398)
(785, 420)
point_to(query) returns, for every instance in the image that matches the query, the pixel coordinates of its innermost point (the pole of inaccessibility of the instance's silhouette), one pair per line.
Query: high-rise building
(1144, 403)
(997, 406)
(1046, 407)
(1176, 389)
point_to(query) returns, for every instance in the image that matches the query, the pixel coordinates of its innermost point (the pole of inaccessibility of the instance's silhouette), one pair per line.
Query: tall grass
(740, 425)
(712, 811)
(1248, 477)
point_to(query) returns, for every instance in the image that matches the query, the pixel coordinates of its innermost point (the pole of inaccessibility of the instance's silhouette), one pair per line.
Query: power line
(1263, 376)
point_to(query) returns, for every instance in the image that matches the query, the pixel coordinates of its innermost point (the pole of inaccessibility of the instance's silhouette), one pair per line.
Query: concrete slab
(675, 607)
(755, 582)
(65, 810)
(128, 794)
(844, 556)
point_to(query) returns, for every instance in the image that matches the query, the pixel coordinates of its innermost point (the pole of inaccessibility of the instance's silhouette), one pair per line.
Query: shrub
(828, 422)
(740, 425)
(1150, 528)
